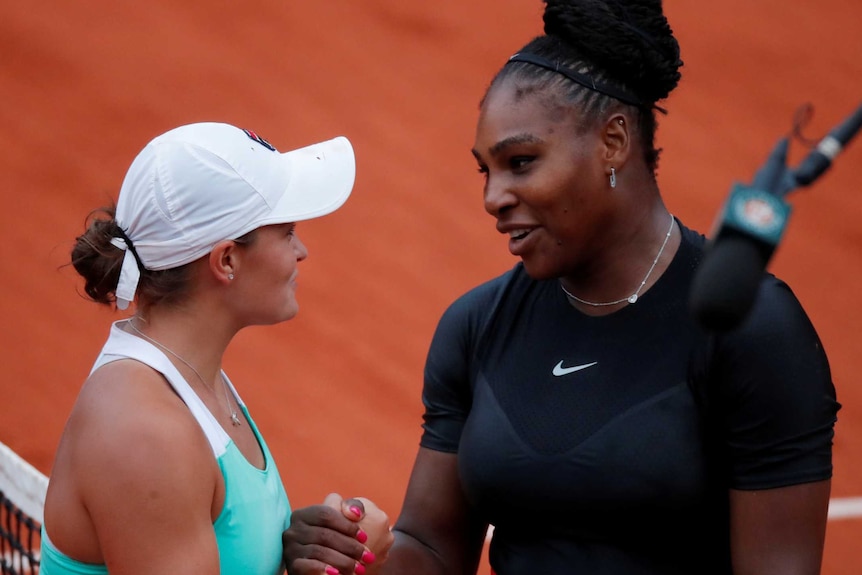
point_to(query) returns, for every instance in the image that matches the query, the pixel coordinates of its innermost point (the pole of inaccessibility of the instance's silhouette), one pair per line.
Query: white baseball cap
(203, 183)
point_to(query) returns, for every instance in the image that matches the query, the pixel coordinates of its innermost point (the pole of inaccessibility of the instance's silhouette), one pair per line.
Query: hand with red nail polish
(326, 538)
(374, 529)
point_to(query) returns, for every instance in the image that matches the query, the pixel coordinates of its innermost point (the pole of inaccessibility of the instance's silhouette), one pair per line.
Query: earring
(230, 276)
(613, 178)
(620, 120)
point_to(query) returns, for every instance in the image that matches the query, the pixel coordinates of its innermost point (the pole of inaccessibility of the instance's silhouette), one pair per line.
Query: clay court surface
(83, 85)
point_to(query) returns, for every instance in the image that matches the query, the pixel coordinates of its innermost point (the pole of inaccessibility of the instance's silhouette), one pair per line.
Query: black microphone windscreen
(726, 282)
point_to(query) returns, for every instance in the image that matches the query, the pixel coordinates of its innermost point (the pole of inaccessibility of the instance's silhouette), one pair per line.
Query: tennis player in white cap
(161, 469)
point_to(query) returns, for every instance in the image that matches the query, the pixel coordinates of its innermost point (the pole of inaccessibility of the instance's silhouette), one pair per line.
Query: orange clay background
(84, 85)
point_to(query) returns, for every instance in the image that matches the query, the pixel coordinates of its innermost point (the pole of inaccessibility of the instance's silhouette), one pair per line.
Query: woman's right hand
(331, 538)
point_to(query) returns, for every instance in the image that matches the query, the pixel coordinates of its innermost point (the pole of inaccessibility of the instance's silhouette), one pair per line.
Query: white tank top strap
(232, 389)
(124, 345)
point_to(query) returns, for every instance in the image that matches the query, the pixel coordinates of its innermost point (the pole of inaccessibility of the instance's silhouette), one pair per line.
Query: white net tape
(22, 484)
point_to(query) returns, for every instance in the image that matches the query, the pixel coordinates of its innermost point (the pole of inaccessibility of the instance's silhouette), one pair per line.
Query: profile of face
(545, 179)
(265, 279)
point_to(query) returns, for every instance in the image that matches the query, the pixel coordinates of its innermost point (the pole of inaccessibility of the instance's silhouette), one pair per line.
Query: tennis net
(22, 495)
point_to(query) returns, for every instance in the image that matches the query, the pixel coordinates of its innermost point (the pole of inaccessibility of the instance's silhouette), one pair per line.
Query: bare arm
(145, 476)
(437, 532)
(779, 531)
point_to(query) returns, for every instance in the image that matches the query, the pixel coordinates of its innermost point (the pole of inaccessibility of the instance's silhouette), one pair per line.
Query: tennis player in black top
(572, 402)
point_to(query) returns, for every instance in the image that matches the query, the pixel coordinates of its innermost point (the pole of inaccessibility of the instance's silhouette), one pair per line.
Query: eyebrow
(497, 148)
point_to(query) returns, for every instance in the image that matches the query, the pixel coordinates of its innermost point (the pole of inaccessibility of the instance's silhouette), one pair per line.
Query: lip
(509, 227)
(519, 247)
(520, 244)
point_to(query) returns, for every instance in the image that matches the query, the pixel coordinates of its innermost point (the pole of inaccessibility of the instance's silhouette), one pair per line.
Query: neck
(639, 253)
(197, 339)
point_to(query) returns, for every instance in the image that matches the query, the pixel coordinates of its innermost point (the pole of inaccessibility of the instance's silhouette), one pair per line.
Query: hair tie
(127, 241)
(130, 272)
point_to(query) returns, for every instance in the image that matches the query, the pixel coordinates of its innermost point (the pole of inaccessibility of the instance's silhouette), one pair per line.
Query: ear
(617, 140)
(224, 261)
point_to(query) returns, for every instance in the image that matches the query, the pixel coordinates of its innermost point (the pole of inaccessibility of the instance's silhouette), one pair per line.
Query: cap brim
(321, 179)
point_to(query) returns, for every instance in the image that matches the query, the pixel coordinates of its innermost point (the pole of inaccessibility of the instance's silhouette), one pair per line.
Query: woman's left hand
(375, 524)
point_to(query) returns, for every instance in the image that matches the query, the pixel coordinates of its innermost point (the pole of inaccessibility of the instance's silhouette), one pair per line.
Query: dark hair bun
(96, 259)
(630, 41)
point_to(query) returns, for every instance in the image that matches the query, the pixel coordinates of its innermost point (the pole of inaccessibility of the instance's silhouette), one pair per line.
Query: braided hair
(621, 54)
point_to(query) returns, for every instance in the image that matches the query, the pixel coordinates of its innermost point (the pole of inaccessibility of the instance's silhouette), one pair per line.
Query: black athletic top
(607, 445)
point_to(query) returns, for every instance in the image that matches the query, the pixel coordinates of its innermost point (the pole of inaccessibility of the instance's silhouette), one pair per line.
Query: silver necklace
(634, 297)
(233, 415)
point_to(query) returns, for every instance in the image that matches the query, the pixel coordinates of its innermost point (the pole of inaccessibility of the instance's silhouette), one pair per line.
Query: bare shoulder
(129, 428)
(128, 397)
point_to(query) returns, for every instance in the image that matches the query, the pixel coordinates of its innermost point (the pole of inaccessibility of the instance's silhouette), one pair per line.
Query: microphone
(819, 160)
(725, 284)
(749, 227)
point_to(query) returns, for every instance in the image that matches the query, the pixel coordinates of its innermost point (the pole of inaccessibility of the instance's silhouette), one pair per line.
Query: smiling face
(545, 180)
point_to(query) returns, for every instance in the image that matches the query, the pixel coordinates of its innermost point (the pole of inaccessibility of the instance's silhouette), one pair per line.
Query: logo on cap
(258, 139)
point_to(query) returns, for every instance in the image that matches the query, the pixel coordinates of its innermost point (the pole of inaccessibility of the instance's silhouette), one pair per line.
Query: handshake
(339, 536)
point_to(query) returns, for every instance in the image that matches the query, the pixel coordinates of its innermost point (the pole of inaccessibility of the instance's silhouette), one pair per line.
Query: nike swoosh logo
(559, 370)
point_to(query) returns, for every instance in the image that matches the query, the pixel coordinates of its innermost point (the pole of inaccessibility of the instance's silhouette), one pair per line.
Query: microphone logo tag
(758, 213)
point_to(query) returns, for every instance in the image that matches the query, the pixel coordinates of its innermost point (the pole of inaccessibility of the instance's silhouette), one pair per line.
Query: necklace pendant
(633, 298)
(235, 420)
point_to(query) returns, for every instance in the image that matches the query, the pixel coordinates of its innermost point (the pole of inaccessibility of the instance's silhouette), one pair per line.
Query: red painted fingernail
(360, 569)
(356, 510)
(330, 570)
(368, 557)
(361, 536)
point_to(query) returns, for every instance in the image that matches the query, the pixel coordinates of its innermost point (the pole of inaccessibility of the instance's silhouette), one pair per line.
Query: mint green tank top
(256, 510)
